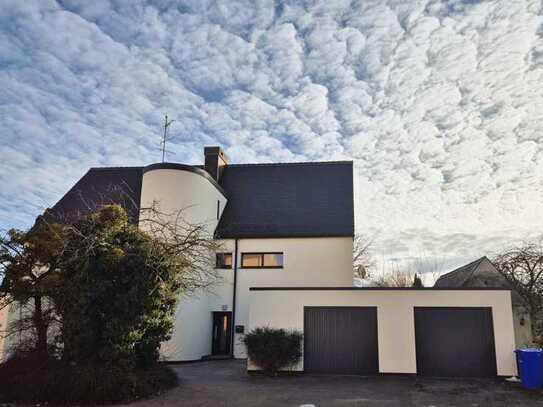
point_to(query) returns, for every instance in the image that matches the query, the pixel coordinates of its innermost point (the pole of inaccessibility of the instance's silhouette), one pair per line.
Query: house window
(262, 260)
(223, 261)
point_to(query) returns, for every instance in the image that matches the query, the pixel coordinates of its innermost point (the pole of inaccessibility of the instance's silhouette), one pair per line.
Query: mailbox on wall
(240, 329)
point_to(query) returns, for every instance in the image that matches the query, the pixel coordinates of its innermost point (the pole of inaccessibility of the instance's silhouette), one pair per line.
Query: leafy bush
(118, 292)
(273, 349)
(33, 380)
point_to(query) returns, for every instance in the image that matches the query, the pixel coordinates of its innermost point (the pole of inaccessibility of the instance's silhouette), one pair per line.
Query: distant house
(482, 273)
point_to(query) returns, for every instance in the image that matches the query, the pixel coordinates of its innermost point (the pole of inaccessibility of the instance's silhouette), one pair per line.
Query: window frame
(217, 266)
(261, 254)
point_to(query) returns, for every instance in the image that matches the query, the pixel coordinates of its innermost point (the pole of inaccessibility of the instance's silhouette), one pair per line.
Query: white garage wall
(395, 319)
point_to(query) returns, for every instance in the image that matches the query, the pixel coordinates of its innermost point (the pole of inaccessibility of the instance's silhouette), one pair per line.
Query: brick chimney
(215, 161)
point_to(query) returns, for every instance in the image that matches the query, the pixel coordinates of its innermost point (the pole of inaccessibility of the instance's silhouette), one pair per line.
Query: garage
(340, 340)
(455, 342)
(369, 330)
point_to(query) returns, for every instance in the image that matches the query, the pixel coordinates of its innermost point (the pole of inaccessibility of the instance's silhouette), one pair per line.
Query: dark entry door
(340, 340)
(455, 342)
(222, 333)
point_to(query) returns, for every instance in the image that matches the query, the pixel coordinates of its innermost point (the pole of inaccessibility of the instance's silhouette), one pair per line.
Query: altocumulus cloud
(440, 103)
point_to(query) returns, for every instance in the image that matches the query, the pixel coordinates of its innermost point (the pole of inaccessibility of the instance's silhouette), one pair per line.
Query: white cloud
(438, 102)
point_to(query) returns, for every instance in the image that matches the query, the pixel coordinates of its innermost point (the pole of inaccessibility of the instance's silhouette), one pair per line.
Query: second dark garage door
(455, 342)
(341, 340)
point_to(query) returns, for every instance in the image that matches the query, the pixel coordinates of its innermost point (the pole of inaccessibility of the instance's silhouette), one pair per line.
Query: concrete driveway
(226, 384)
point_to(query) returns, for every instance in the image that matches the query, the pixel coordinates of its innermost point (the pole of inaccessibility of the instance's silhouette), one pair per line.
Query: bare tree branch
(522, 268)
(363, 260)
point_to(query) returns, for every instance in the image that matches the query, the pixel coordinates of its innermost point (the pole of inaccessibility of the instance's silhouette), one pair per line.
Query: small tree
(273, 349)
(522, 268)
(28, 264)
(417, 282)
(119, 286)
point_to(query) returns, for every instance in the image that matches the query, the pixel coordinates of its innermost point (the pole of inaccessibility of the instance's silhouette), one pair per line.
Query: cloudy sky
(439, 103)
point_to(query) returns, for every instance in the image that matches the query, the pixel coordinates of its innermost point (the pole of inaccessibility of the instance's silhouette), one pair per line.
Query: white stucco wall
(307, 262)
(324, 261)
(395, 319)
(4, 312)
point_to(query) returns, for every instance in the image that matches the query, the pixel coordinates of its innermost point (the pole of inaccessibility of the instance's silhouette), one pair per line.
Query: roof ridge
(473, 263)
(115, 168)
(283, 164)
(294, 163)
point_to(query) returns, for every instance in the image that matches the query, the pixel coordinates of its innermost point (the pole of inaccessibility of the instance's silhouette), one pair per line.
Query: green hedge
(273, 349)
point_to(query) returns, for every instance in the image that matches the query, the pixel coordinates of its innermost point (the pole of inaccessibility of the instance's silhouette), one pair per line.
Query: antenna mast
(165, 136)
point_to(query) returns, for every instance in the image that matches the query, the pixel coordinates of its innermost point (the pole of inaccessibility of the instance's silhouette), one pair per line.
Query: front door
(222, 333)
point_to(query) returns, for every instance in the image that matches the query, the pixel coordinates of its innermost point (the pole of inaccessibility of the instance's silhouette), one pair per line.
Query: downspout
(233, 329)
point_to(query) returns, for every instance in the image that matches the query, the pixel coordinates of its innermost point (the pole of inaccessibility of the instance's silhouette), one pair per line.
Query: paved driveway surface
(226, 384)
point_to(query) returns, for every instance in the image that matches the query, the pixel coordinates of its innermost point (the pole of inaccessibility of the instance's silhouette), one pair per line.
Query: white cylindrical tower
(193, 195)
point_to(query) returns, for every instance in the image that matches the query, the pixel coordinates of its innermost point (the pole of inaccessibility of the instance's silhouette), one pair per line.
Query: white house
(279, 224)
(286, 261)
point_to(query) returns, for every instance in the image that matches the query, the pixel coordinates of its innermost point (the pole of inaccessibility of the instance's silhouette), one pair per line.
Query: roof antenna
(165, 136)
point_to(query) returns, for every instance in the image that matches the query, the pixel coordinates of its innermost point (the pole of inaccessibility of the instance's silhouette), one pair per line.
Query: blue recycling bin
(530, 367)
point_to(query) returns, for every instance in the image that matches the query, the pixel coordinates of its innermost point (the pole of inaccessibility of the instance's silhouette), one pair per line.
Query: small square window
(223, 261)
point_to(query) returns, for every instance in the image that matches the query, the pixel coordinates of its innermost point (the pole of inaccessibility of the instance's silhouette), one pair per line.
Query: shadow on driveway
(226, 384)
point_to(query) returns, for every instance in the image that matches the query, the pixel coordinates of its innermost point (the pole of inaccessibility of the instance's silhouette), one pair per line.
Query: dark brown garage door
(340, 340)
(455, 342)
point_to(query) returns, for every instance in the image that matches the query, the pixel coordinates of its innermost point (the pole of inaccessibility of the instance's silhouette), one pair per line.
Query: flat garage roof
(378, 289)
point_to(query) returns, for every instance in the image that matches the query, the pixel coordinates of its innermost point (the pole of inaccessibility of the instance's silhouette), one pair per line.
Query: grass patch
(28, 380)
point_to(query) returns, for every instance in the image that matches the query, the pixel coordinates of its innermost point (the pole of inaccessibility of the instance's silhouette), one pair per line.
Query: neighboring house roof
(101, 186)
(288, 200)
(264, 200)
(460, 276)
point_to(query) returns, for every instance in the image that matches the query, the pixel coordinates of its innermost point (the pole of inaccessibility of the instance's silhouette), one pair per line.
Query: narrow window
(223, 261)
(262, 260)
(218, 209)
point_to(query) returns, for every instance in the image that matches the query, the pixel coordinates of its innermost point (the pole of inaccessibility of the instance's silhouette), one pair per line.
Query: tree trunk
(40, 325)
(535, 324)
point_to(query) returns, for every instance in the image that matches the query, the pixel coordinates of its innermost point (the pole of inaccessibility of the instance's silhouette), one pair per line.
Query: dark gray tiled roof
(264, 200)
(458, 277)
(288, 200)
(100, 186)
